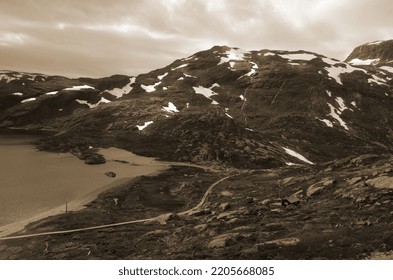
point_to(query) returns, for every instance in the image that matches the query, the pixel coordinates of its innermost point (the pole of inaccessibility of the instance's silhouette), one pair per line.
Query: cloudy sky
(99, 37)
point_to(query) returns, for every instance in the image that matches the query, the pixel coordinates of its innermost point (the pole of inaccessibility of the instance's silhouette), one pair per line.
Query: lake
(34, 182)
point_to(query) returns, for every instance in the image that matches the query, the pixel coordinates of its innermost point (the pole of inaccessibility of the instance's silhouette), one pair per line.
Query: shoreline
(73, 206)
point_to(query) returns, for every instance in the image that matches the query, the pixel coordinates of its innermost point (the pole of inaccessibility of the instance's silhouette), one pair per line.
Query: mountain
(379, 53)
(259, 102)
(290, 152)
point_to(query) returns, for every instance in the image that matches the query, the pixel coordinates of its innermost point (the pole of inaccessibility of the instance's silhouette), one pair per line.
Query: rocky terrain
(297, 145)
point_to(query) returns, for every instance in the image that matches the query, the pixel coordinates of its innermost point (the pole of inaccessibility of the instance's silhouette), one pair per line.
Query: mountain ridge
(272, 93)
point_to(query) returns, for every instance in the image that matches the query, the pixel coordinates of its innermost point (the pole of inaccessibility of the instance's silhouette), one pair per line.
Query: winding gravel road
(153, 219)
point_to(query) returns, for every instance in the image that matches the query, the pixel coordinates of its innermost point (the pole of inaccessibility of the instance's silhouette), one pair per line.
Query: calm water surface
(32, 182)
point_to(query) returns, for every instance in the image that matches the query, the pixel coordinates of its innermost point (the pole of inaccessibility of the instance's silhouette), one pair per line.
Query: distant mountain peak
(376, 53)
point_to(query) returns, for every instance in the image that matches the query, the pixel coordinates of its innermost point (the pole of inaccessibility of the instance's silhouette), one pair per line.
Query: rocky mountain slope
(378, 53)
(320, 107)
(305, 141)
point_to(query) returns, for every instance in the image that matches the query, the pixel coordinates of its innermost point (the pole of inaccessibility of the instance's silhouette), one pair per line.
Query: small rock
(249, 200)
(313, 190)
(226, 193)
(266, 201)
(329, 183)
(229, 215)
(110, 174)
(286, 181)
(224, 206)
(292, 200)
(355, 180)
(201, 227)
(232, 221)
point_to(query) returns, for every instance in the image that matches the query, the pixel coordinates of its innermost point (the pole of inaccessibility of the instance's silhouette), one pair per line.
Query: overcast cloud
(100, 38)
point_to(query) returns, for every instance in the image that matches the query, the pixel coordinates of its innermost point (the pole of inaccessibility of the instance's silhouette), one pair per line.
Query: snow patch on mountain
(269, 54)
(298, 56)
(160, 77)
(297, 155)
(335, 113)
(327, 122)
(334, 71)
(79, 87)
(85, 102)
(341, 103)
(190, 58)
(387, 68)
(6, 77)
(374, 43)
(28, 100)
(150, 88)
(146, 124)
(119, 92)
(229, 116)
(252, 71)
(51, 93)
(377, 80)
(207, 92)
(357, 61)
(180, 66)
(18, 93)
(189, 76)
(171, 108)
(232, 55)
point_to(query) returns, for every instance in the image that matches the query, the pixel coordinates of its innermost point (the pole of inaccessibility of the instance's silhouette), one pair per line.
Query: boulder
(314, 190)
(382, 182)
(95, 159)
(319, 187)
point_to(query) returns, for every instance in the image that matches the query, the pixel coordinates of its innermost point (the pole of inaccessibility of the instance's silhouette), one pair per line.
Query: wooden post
(66, 207)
